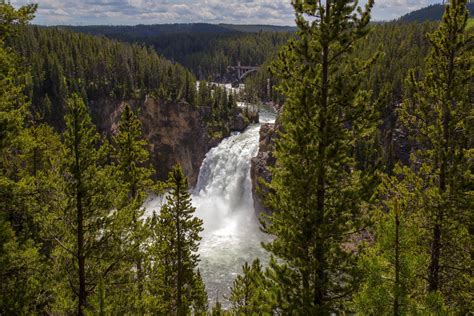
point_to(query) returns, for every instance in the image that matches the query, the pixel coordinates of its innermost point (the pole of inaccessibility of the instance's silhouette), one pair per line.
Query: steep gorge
(181, 119)
(176, 131)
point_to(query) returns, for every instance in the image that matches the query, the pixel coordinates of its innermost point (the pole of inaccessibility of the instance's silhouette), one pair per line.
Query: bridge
(243, 71)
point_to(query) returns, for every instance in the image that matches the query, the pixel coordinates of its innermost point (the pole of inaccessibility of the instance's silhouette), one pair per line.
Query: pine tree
(176, 240)
(190, 89)
(85, 230)
(199, 296)
(316, 191)
(217, 309)
(204, 94)
(391, 266)
(159, 284)
(13, 102)
(131, 157)
(438, 114)
(245, 295)
(23, 280)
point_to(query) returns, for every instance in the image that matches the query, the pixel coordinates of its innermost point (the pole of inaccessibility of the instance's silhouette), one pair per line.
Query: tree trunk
(179, 291)
(396, 300)
(81, 262)
(320, 286)
(140, 277)
(80, 227)
(433, 276)
(138, 260)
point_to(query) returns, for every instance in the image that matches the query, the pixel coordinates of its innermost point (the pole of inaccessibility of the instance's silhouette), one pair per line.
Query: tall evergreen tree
(199, 295)
(13, 102)
(23, 280)
(131, 157)
(246, 295)
(316, 191)
(177, 284)
(391, 266)
(438, 114)
(85, 231)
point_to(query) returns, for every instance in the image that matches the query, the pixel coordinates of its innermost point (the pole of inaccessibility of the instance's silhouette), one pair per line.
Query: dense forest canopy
(206, 49)
(62, 62)
(431, 13)
(403, 46)
(142, 31)
(370, 197)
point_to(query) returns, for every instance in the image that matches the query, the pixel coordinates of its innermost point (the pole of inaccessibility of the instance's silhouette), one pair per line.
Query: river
(223, 199)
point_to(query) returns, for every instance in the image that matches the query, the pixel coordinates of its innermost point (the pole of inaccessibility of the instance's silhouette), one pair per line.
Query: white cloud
(279, 12)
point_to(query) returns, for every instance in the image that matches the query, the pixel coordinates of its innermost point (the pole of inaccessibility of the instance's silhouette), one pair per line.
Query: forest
(432, 12)
(370, 198)
(61, 62)
(205, 49)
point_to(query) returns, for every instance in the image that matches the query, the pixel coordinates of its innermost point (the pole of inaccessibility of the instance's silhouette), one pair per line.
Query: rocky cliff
(177, 132)
(260, 164)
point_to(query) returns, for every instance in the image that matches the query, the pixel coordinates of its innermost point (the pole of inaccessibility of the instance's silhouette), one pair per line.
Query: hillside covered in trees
(206, 49)
(431, 13)
(108, 73)
(370, 194)
(63, 62)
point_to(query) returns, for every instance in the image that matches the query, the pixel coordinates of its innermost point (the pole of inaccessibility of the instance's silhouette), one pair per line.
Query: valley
(212, 168)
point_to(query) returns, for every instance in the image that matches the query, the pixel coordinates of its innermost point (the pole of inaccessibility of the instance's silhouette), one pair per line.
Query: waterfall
(223, 199)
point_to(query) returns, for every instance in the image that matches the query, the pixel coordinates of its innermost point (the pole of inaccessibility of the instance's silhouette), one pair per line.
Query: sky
(132, 12)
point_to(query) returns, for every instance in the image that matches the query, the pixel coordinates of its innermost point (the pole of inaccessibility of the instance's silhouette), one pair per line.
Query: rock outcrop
(177, 132)
(260, 166)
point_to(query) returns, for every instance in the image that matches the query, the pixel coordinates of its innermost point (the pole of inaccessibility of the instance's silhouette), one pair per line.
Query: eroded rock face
(177, 132)
(260, 166)
(242, 118)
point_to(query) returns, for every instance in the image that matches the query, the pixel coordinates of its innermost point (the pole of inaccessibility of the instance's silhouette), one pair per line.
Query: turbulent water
(223, 199)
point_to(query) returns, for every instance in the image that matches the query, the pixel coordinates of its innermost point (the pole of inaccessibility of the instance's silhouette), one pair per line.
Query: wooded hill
(205, 49)
(354, 228)
(62, 62)
(430, 13)
(149, 30)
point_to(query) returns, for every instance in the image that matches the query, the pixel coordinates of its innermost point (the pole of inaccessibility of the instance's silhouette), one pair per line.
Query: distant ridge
(431, 13)
(142, 30)
(255, 28)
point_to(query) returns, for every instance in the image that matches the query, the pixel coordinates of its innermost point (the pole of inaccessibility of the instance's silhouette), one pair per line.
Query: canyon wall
(260, 165)
(177, 132)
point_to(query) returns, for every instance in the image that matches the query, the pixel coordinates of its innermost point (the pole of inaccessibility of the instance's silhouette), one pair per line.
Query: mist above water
(223, 199)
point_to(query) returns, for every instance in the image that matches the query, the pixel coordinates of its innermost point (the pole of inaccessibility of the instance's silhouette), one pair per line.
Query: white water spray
(223, 199)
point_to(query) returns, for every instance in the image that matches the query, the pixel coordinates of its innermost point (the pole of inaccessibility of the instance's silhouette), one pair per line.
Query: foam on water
(223, 199)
